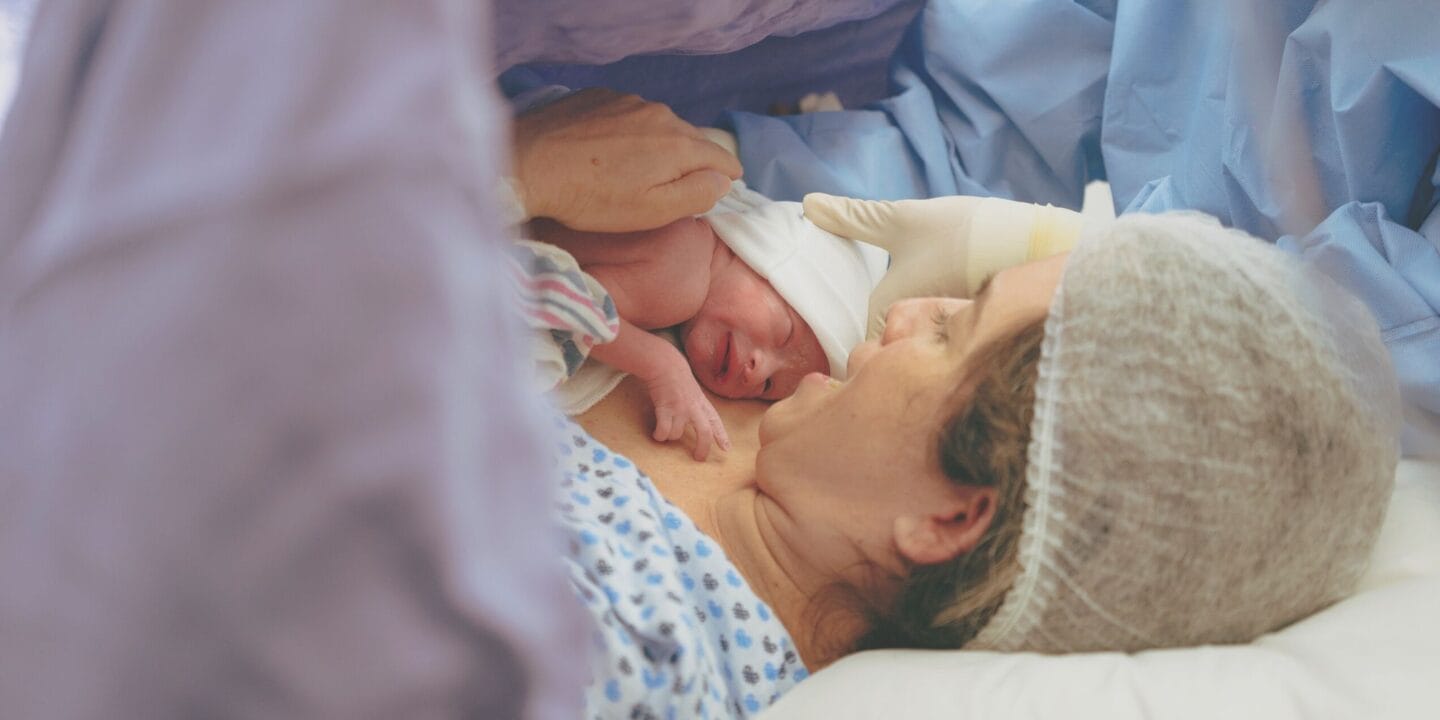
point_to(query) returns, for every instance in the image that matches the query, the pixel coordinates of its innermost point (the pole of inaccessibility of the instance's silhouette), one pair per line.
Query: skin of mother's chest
(624, 420)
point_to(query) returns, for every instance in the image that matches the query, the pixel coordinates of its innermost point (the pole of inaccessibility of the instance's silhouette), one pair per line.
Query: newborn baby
(760, 298)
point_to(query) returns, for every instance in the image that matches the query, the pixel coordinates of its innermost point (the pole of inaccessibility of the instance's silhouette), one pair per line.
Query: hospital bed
(1376, 654)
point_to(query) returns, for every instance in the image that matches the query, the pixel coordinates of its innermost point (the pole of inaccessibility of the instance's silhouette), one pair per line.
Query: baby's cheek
(815, 358)
(801, 363)
(815, 362)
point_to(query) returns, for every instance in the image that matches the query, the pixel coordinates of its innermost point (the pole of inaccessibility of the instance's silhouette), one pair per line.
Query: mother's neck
(722, 499)
(821, 618)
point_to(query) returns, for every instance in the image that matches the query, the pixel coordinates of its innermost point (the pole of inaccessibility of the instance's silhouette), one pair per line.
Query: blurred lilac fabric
(261, 449)
(14, 19)
(850, 59)
(604, 31)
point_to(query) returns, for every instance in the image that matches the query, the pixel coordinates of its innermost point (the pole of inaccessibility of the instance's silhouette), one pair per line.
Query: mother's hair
(945, 605)
(1196, 446)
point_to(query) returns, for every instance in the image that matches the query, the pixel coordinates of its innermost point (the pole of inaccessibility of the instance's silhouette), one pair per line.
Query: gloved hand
(944, 247)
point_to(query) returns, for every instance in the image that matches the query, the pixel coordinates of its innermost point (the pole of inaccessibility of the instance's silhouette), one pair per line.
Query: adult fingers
(871, 221)
(689, 151)
(691, 194)
(711, 155)
(724, 138)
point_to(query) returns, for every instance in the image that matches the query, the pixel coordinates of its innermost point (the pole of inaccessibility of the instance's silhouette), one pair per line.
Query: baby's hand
(679, 402)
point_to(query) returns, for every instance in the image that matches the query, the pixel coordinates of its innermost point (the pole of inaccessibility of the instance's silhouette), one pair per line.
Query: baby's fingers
(702, 442)
(667, 426)
(717, 426)
(709, 428)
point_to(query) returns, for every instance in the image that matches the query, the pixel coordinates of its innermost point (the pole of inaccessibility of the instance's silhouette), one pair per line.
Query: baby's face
(747, 342)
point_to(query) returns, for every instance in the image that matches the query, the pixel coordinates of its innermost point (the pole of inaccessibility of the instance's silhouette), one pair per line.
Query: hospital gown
(1314, 125)
(677, 633)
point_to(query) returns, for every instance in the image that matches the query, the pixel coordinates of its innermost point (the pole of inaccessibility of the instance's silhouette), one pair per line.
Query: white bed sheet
(1374, 655)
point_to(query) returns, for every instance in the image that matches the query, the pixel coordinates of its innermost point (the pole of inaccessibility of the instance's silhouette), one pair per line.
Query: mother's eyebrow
(981, 296)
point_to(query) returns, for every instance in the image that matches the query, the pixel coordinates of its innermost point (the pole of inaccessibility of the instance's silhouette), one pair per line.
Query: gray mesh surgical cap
(1212, 450)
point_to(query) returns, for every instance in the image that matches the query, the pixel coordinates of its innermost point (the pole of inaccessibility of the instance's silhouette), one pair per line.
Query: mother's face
(857, 456)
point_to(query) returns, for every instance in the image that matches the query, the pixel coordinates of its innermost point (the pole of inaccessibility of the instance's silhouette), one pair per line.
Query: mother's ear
(948, 532)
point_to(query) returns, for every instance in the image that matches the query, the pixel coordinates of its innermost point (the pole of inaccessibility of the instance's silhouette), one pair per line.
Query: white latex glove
(944, 247)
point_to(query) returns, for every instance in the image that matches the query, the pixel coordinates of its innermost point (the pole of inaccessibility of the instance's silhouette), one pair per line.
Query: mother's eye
(941, 318)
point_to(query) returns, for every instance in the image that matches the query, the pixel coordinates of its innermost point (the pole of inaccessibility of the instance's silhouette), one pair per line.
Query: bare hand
(601, 161)
(679, 402)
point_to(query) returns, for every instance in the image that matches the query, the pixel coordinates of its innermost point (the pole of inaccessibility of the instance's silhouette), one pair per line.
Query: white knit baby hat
(826, 278)
(1212, 450)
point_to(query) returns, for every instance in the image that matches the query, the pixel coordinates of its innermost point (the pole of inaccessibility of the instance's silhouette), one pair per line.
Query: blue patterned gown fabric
(678, 633)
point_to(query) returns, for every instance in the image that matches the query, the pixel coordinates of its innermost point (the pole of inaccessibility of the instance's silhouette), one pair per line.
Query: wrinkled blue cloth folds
(1314, 125)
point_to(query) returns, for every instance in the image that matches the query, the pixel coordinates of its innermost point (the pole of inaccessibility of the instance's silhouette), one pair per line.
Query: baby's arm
(652, 277)
(678, 399)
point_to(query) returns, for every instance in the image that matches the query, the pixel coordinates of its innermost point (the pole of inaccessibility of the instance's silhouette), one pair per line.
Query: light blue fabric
(1315, 125)
(677, 632)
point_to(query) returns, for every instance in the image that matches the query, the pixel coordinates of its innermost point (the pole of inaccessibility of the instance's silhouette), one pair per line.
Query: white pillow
(1374, 655)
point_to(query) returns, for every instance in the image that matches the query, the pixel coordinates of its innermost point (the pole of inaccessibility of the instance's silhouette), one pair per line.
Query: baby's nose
(753, 374)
